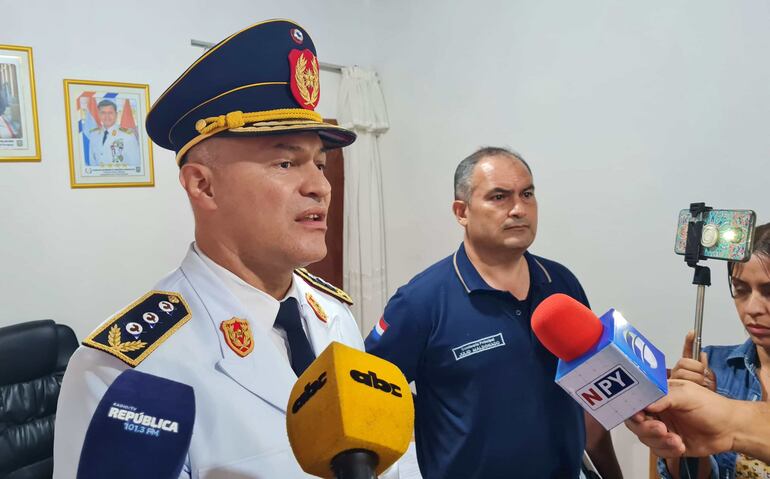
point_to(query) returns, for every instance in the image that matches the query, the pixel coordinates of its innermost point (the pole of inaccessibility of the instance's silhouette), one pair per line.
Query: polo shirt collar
(472, 280)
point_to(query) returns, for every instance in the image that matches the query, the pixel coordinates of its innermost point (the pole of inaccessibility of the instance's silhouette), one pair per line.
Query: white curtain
(362, 109)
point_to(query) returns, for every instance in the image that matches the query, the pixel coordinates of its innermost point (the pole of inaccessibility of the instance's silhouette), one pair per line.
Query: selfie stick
(702, 274)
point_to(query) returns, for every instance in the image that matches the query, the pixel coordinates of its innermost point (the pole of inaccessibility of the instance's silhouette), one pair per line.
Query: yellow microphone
(350, 415)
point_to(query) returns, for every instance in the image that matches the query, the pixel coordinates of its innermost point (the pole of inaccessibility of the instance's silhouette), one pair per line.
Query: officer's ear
(460, 209)
(196, 178)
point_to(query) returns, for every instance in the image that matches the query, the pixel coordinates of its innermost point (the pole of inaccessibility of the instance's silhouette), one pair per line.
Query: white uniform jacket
(118, 147)
(240, 423)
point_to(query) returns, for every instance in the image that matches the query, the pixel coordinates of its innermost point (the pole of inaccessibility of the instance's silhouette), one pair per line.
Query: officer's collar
(261, 304)
(472, 280)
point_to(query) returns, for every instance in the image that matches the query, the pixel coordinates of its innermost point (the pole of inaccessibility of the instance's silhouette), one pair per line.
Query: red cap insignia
(305, 80)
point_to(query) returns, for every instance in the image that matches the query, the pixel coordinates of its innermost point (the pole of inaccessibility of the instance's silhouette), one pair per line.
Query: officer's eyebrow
(296, 148)
(288, 146)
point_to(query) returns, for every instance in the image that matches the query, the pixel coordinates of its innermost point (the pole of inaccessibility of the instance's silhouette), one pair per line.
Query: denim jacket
(735, 368)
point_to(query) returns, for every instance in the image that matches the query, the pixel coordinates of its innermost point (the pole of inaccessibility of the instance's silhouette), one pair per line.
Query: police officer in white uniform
(240, 319)
(110, 144)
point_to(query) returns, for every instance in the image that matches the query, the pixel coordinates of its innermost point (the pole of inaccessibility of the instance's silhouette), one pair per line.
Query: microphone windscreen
(142, 427)
(566, 327)
(349, 400)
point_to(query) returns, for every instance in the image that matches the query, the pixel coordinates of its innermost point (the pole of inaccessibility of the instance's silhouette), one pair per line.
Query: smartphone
(727, 234)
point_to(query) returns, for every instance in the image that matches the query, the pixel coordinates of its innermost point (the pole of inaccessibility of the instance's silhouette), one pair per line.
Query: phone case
(739, 220)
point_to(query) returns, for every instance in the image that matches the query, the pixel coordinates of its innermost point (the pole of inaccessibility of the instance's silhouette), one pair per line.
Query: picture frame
(19, 131)
(108, 146)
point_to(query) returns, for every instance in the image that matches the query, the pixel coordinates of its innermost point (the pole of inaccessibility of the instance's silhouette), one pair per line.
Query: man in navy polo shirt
(487, 405)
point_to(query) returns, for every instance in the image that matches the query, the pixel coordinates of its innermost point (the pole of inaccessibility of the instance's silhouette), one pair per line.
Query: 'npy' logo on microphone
(606, 387)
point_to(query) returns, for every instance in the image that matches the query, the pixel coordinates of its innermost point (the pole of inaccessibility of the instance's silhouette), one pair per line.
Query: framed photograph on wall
(19, 133)
(108, 146)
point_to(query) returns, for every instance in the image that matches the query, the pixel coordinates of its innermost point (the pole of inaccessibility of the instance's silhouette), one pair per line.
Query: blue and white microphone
(605, 364)
(142, 427)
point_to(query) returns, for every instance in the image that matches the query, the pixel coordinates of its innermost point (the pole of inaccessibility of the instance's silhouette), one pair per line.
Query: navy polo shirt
(487, 405)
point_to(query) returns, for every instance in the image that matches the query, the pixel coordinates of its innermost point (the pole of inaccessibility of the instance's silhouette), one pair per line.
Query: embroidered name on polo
(478, 346)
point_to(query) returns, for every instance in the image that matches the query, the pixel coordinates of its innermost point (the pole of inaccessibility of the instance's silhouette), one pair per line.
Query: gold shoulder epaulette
(319, 283)
(126, 130)
(94, 129)
(132, 334)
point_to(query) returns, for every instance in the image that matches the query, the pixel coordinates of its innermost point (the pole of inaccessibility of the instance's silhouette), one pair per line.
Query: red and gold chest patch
(305, 79)
(238, 336)
(317, 309)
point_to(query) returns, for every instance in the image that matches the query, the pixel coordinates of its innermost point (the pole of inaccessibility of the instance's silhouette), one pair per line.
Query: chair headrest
(33, 350)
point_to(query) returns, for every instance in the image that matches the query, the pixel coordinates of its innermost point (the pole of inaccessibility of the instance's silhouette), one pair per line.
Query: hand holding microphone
(350, 415)
(705, 423)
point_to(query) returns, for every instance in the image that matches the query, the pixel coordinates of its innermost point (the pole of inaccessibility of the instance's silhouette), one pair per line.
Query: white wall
(626, 111)
(77, 256)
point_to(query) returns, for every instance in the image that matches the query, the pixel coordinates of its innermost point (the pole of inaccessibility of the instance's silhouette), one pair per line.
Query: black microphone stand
(355, 464)
(702, 274)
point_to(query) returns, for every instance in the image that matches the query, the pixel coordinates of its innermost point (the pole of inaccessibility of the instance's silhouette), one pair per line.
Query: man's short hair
(104, 103)
(464, 170)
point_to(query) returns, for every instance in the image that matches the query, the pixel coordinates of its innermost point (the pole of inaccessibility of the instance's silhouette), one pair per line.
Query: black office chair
(33, 357)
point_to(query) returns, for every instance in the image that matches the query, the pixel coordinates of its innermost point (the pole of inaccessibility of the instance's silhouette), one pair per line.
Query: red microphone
(605, 364)
(566, 327)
